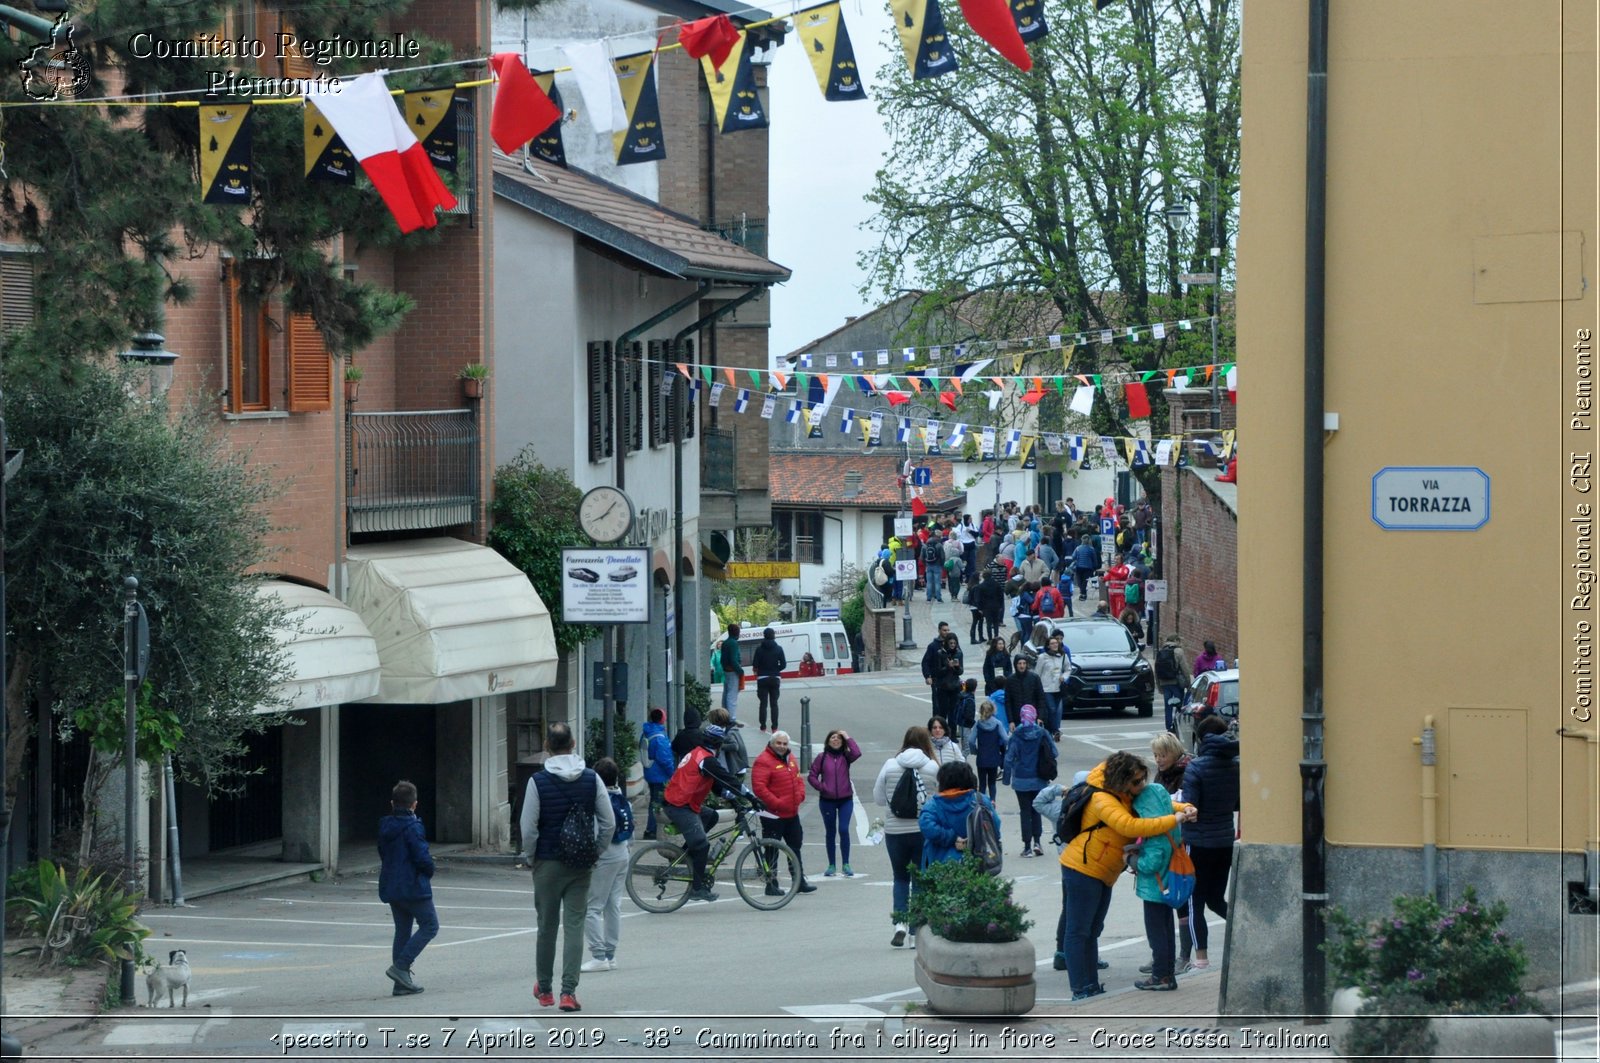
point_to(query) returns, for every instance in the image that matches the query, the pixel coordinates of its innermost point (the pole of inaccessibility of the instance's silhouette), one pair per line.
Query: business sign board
(1430, 498)
(763, 570)
(605, 585)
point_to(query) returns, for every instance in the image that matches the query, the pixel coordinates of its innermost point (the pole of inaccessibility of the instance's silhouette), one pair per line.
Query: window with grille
(600, 404)
(249, 342)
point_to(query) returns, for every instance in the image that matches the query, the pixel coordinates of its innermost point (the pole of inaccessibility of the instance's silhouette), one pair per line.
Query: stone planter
(1478, 1038)
(975, 978)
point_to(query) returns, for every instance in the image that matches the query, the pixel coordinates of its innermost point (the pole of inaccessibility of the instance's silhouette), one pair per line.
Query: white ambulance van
(825, 640)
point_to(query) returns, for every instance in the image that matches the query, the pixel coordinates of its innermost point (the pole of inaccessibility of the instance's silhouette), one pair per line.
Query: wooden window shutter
(310, 367)
(653, 397)
(294, 64)
(16, 291)
(633, 397)
(230, 295)
(691, 406)
(594, 360)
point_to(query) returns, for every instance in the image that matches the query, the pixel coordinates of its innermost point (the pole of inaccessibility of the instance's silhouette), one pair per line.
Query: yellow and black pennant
(431, 113)
(827, 44)
(733, 90)
(920, 24)
(642, 140)
(327, 159)
(225, 153)
(548, 145)
(1029, 15)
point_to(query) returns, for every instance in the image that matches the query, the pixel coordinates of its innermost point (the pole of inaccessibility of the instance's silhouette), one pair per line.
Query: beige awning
(332, 656)
(452, 621)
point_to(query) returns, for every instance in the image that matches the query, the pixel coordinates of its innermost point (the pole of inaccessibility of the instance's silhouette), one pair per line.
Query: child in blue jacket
(1153, 854)
(944, 816)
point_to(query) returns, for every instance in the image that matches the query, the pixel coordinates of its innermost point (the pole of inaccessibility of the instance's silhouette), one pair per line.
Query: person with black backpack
(1173, 678)
(933, 568)
(903, 784)
(566, 823)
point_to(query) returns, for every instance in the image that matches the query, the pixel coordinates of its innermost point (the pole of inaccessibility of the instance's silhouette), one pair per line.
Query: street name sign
(1430, 498)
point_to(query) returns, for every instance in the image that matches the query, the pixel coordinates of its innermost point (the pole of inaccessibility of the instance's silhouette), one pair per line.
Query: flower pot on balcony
(352, 390)
(471, 387)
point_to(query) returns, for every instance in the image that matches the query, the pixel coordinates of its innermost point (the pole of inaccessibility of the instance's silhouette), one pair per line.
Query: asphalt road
(297, 969)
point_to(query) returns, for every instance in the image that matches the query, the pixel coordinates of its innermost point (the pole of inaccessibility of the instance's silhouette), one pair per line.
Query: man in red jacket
(775, 777)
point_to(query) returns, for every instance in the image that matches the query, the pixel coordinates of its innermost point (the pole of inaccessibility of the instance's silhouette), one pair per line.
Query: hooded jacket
(658, 758)
(830, 772)
(407, 873)
(768, 659)
(777, 782)
(1022, 757)
(688, 737)
(1211, 784)
(1051, 668)
(1023, 689)
(987, 740)
(1109, 825)
(889, 777)
(996, 670)
(1155, 851)
(542, 819)
(944, 819)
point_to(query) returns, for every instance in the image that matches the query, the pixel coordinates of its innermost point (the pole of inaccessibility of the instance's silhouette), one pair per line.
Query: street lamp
(149, 349)
(906, 641)
(1178, 212)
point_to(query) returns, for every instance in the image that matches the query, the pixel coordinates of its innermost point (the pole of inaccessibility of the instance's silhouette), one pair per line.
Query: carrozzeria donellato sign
(1430, 498)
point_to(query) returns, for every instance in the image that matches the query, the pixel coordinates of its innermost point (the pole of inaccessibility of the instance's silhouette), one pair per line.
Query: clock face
(605, 514)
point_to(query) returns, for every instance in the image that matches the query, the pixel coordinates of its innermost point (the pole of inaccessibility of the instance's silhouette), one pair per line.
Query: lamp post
(149, 349)
(10, 1046)
(1177, 212)
(908, 552)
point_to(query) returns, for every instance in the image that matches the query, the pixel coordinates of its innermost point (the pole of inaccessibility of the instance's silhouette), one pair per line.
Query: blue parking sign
(1108, 526)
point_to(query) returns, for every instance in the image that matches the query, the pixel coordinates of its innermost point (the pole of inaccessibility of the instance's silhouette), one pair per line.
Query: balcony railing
(716, 460)
(411, 470)
(749, 233)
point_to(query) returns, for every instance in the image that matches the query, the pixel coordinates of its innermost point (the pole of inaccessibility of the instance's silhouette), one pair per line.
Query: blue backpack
(623, 813)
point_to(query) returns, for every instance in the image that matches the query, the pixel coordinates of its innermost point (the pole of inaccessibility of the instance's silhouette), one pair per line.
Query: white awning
(452, 621)
(332, 657)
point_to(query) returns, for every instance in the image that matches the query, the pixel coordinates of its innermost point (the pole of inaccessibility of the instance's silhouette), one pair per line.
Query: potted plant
(1434, 981)
(472, 377)
(972, 957)
(352, 382)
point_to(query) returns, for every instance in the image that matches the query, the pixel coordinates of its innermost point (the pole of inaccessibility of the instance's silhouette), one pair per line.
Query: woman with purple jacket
(830, 778)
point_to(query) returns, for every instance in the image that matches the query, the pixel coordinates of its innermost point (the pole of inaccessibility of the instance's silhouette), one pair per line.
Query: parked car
(1107, 667)
(623, 575)
(587, 575)
(1210, 693)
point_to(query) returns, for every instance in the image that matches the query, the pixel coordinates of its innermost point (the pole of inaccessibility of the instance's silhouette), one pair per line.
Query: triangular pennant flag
(225, 153)
(683, 370)
(727, 371)
(741, 401)
(521, 109)
(1066, 355)
(916, 384)
(991, 20)
(897, 398)
(732, 85)
(547, 143)
(923, 37)
(327, 159)
(431, 114)
(1029, 15)
(827, 45)
(755, 378)
(640, 140)
(780, 380)
(948, 398)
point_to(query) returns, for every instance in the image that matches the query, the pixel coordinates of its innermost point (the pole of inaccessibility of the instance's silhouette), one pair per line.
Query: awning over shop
(452, 621)
(332, 656)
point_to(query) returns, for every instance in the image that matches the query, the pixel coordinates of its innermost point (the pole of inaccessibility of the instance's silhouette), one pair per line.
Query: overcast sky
(823, 158)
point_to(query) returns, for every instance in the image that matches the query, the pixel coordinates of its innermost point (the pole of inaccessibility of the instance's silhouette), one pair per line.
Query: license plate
(1109, 688)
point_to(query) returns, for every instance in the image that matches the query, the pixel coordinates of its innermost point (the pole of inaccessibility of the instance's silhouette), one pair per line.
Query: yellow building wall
(1456, 130)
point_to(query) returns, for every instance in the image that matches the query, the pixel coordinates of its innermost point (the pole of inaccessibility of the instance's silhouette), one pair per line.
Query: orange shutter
(295, 64)
(310, 367)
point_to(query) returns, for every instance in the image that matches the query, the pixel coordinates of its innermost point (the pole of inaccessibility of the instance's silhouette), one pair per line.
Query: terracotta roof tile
(797, 478)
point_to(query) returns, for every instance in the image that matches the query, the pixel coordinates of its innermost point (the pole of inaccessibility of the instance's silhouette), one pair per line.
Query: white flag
(987, 446)
(994, 397)
(1164, 452)
(597, 83)
(1159, 330)
(883, 357)
(875, 432)
(768, 404)
(1108, 447)
(716, 394)
(1082, 399)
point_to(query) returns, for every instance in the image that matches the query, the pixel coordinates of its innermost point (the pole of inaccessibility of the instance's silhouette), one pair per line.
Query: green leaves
(77, 916)
(957, 901)
(535, 516)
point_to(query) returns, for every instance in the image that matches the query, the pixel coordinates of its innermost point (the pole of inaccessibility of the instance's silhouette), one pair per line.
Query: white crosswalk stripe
(152, 1033)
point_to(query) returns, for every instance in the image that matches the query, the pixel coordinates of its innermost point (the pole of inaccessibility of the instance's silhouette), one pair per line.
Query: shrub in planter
(1425, 959)
(972, 958)
(958, 902)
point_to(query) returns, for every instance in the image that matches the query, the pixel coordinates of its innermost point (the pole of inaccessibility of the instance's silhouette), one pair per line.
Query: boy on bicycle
(687, 790)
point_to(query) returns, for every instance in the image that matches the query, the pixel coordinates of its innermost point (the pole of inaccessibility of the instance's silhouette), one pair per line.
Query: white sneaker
(590, 966)
(899, 939)
(611, 964)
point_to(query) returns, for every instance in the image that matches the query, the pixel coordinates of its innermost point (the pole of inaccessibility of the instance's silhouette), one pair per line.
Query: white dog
(169, 979)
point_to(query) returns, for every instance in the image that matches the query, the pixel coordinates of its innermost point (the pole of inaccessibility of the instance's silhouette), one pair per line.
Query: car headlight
(1142, 665)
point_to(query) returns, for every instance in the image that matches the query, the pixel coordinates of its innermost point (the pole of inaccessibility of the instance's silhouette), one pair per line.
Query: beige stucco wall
(1452, 124)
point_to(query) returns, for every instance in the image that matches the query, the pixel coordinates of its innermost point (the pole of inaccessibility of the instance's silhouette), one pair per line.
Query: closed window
(827, 646)
(250, 333)
(16, 290)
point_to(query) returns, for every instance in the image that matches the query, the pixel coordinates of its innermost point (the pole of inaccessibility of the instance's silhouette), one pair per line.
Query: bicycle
(766, 873)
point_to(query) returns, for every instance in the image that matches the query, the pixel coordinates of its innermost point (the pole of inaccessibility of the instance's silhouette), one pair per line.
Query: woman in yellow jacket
(1093, 859)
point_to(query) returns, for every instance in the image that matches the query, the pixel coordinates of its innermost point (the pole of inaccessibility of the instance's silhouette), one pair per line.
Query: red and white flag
(369, 122)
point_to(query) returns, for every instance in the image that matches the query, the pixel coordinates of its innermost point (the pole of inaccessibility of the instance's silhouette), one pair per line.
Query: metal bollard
(805, 734)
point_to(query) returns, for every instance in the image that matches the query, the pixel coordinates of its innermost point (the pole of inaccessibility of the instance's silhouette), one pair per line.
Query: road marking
(832, 1012)
(884, 998)
(152, 1033)
(156, 917)
(380, 904)
(488, 937)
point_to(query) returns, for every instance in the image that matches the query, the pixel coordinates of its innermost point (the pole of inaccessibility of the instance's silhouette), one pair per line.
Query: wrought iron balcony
(411, 470)
(749, 233)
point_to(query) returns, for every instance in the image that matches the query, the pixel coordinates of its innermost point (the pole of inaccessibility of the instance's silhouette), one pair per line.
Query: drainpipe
(28, 23)
(1430, 807)
(620, 442)
(677, 482)
(1313, 766)
(1591, 838)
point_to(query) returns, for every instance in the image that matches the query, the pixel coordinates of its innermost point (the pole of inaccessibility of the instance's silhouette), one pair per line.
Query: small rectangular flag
(875, 428)
(1013, 441)
(327, 159)
(902, 433)
(732, 84)
(1082, 400)
(908, 354)
(1185, 326)
(1105, 337)
(883, 357)
(1075, 449)
(1159, 330)
(793, 416)
(523, 107)
(597, 84)
(1108, 447)
(225, 153)
(741, 401)
(986, 446)
(857, 358)
(1164, 452)
(667, 380)
(934, 354)
(805, 361)
(1052, 443)
(1055, 340)
(768, 404)
(957, 435)
(1138, 400)
(716, 394)
(1141, 452)
(847, 420)
(923, 37)
(830, 361)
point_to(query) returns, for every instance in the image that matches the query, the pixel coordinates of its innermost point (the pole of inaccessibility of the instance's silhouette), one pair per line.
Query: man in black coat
(991, 599)
(933, 656)
(768, 663)
(1022, 688)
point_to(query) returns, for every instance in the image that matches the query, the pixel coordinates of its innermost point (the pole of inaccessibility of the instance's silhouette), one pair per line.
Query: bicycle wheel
(659, 877)
(767, 874)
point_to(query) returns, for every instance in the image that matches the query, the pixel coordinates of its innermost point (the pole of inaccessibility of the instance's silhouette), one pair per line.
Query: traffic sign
(921, 476)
